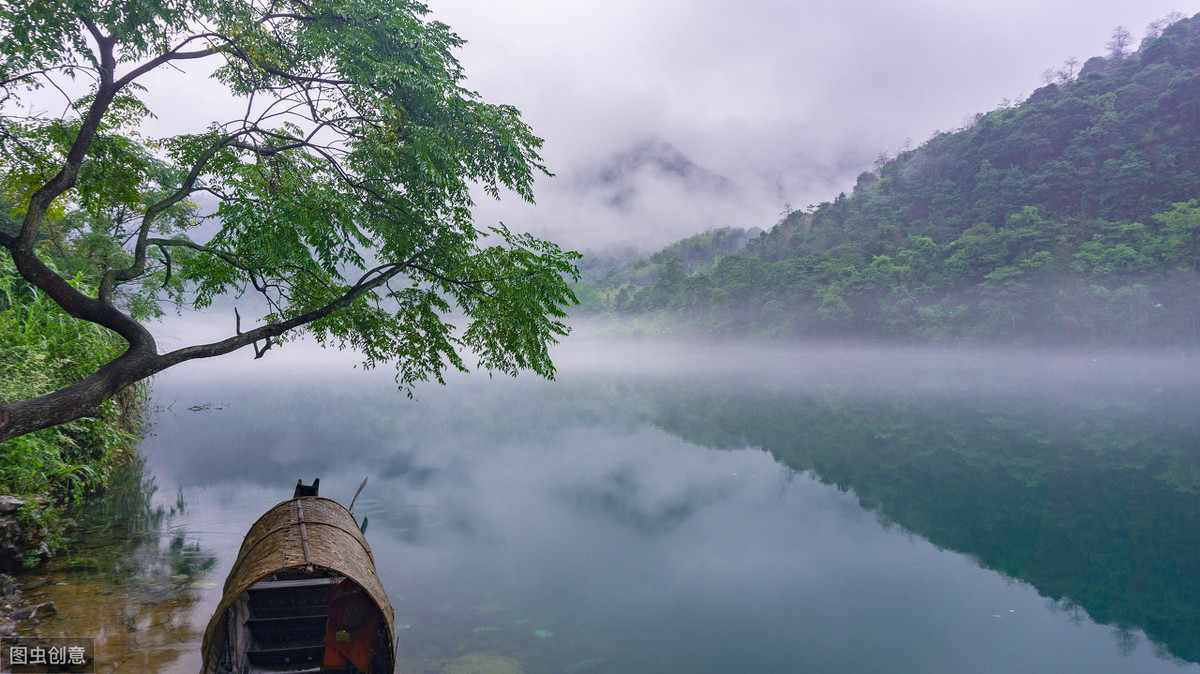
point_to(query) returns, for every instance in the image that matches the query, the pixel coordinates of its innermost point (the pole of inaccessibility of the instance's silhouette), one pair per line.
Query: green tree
(344, 186)
(1182, 223)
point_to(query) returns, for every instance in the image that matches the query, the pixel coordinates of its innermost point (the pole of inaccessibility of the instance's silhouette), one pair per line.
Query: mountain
(622, 177)
(608, 277)
(1070, 217)
(639, 197)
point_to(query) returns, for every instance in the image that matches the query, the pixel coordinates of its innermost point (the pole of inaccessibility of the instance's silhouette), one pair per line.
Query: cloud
(787, 100)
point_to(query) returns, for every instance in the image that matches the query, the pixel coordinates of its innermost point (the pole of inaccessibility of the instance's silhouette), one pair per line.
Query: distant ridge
(1069, 218)
(618, 175)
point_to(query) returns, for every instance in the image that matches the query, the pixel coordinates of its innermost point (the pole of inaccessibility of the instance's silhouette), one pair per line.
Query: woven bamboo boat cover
(304, 533)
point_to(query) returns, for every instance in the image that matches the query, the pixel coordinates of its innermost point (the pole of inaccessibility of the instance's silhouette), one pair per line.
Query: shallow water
(663, 508)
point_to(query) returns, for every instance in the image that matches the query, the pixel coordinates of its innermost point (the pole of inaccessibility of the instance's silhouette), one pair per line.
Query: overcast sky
(755, 104)
(788, 100)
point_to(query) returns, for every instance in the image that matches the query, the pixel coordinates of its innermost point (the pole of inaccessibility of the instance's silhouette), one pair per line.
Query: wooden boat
(303, 596)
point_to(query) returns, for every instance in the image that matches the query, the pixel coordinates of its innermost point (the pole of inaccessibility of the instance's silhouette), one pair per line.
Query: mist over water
(728, 508)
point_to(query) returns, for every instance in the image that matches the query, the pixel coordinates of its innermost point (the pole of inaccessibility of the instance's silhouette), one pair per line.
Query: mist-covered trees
(1072, 216)
(1120, 42)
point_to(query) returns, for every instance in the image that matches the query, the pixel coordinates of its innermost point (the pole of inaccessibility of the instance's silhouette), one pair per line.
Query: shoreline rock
(24, 539)
(9, 503)
(12, 613)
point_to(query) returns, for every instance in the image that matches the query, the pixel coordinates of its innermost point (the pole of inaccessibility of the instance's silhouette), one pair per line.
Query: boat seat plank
(311, 627)
(259, 612)
(295, 584)
(285, 655)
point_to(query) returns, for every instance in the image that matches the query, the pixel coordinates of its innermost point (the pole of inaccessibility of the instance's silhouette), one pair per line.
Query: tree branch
(172, 55)
(470, 284)
(184, 243)
(141, 361)
(383, 273)
(138, 266)
(43, 71)
(65, 178)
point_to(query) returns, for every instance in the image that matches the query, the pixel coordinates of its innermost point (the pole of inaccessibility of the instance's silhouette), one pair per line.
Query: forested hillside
(1069, 217)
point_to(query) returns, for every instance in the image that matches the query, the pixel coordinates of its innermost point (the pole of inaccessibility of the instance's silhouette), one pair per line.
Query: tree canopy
(342, 182)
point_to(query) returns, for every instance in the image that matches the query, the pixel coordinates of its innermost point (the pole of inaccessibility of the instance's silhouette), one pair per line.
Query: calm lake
(671, 508)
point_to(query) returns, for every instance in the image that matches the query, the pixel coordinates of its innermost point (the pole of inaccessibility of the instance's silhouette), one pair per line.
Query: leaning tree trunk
(82, 399)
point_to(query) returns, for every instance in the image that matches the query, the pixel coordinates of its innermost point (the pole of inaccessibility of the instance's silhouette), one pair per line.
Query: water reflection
(130, 582)
(588, 526)
(1083, 482)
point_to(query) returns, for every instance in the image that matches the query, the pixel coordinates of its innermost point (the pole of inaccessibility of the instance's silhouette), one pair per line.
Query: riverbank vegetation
(1069, 218)
(42, 349)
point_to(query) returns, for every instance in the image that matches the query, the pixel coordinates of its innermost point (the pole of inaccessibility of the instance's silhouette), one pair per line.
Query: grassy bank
(42, 349)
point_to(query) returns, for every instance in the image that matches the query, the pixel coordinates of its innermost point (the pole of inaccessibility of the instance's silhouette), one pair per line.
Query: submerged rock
(584, 666)
(483, 663)
(37, 583)
(35, 612)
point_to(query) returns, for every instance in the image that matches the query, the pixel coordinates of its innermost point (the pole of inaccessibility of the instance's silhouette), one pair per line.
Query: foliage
(343, 181)
(695, 254)
(42, 349)
(1070, 217)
